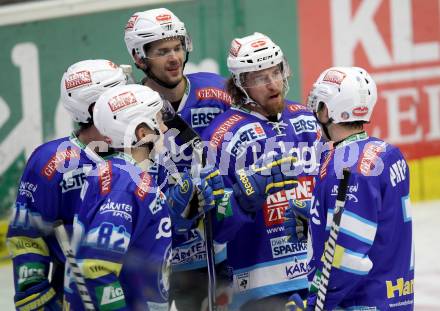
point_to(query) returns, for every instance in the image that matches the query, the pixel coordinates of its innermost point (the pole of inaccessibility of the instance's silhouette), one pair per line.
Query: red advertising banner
(398, 43)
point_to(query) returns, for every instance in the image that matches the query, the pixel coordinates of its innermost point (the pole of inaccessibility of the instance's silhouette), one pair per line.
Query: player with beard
(266, 267)
(159, 45)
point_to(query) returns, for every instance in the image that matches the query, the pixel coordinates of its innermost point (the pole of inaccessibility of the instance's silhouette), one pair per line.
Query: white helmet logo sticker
(78, 79)
(258, 44)
(163, 18)
(235, 48)
(131, 22)
(122, 101)
(334, 76)
(360, 111)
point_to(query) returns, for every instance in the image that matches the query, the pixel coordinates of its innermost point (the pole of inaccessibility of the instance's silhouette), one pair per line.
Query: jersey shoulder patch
(294, 107)
(208, 86)
(143, 186)
(325, 164)
(105, 177)
(58, 159)
(223, 127)
(370, 156)
(213, 93)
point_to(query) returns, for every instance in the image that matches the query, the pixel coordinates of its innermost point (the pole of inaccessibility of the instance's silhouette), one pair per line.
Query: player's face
(165, 60)
(266, 88)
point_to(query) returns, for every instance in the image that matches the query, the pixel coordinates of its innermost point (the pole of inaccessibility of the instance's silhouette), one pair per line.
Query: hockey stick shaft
(188, 134)
(63, 241)
(330, 245)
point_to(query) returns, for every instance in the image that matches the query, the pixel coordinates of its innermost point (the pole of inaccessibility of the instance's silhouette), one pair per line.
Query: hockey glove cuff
(38, 297)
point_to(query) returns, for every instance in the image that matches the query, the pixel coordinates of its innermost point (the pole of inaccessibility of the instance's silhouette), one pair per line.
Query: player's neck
(257, 109)
(172, 95)
(270, 115)
(141, 155)
(338, 133)
(88, 135)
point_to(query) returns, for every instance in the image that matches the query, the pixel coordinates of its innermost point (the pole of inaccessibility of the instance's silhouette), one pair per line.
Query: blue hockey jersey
(264, 262)
(374, 257)
(49, 190)
(205, 98)
(122, 239)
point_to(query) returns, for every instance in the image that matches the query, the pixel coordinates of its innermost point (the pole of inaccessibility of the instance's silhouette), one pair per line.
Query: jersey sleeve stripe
(351, 261)
(355, 226)
(95, 268)
(20, 245)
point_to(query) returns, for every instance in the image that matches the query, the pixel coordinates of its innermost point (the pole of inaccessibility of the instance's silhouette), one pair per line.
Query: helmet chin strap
(248, 100)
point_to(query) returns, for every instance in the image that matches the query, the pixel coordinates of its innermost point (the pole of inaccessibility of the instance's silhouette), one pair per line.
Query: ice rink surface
(426, 217)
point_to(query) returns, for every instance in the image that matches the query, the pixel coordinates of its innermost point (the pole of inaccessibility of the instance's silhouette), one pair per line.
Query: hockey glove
(295, 220)
(179, 196)
(38, 297)
(211, 189)
(296, 303)
(265, 177)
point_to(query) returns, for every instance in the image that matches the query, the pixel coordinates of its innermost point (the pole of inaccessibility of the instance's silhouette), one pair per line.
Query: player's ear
(143, 132)
(140, 131)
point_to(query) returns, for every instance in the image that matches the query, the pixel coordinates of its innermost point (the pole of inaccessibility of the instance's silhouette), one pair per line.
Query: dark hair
(355, 125)
(84, 126)
(236, 93)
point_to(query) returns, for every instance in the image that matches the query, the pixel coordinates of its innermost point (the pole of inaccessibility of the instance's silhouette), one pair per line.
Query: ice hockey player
(159, 44)
(122, 232)
(266, 268)
(373, 265)
(50, 188)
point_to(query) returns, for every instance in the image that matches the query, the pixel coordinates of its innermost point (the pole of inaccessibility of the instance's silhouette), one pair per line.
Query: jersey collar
(350, 139)
(144, 166)
(92, 155)
(185, 94)
(254, 113)
(125, 156)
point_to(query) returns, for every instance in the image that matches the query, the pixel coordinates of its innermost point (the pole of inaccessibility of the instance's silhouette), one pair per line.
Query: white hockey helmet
(349, 93)
(120, 110)
(254, 53)
(84, 82)
(152, 25)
